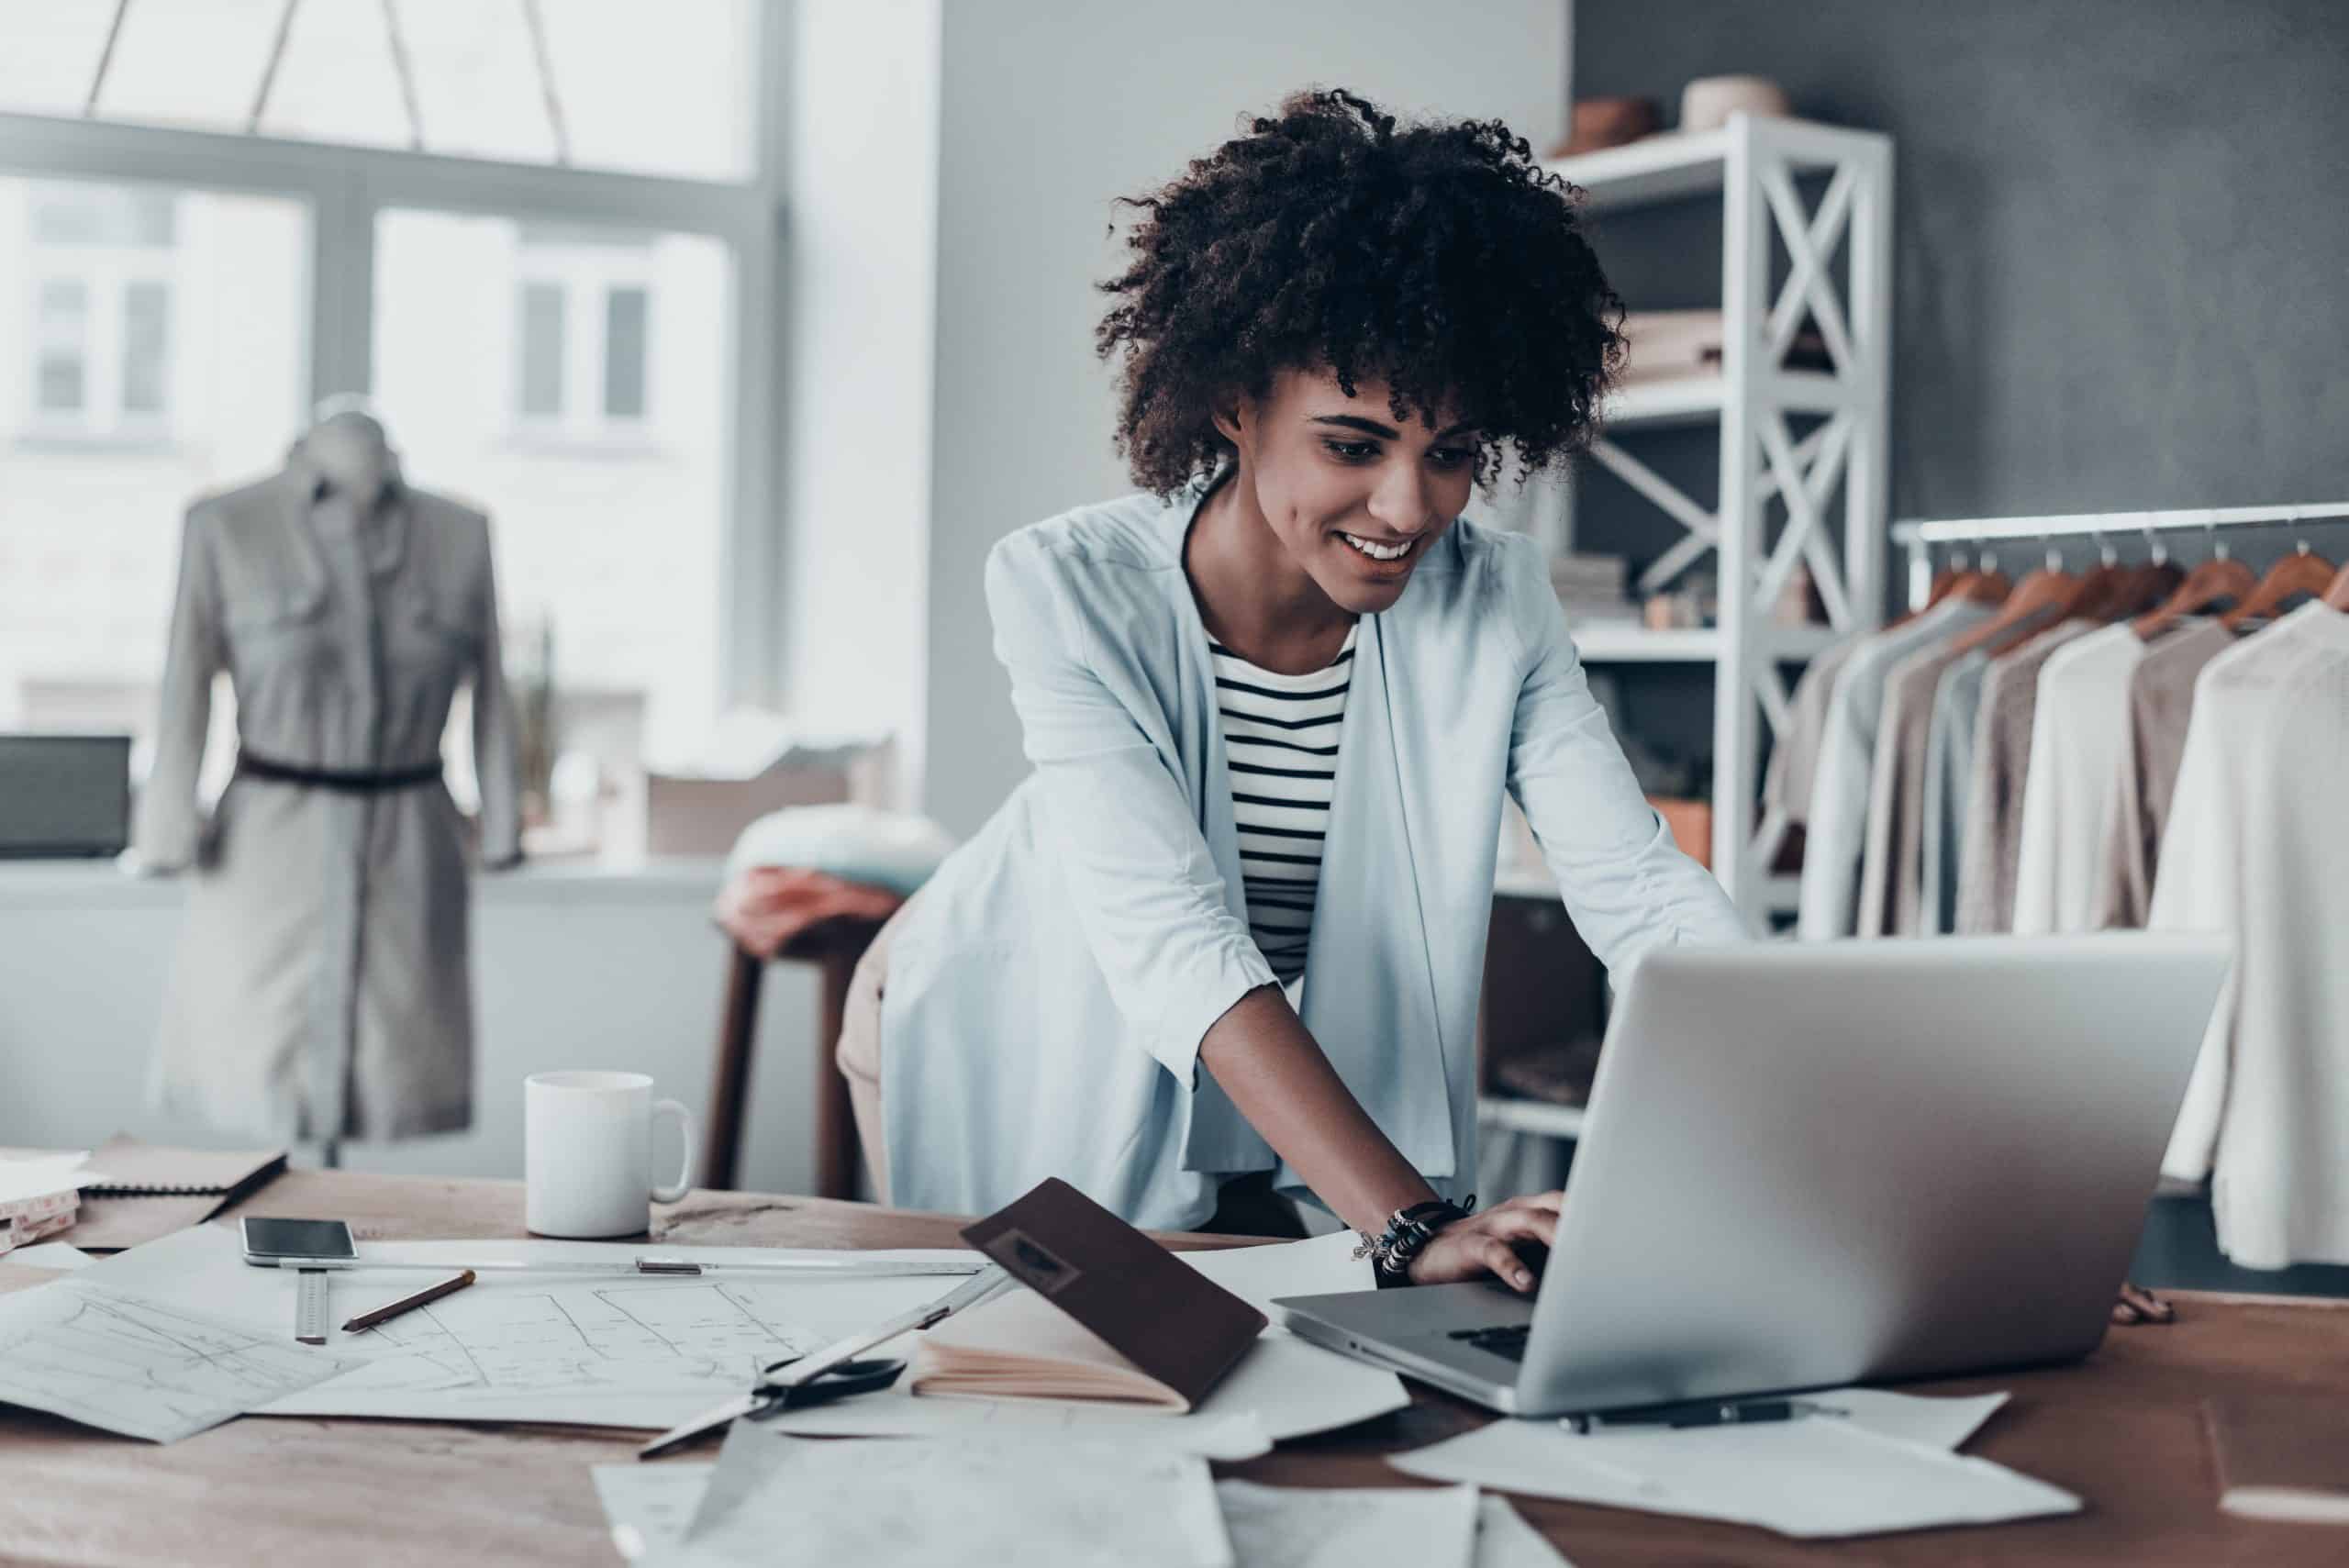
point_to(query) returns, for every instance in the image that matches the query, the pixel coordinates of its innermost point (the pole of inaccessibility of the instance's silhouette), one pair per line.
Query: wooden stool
(834, 946)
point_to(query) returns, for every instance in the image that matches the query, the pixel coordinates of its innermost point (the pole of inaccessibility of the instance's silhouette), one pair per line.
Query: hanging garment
(1949, 770)
(1992, 834)
(321, 987)
(1836, 829)
(2258, 845)
(2161, 702)
(1794, 758)
(2077, 738)
(1891, 872)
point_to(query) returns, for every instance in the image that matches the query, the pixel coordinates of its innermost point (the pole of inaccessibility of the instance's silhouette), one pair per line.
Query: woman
(1223, 946)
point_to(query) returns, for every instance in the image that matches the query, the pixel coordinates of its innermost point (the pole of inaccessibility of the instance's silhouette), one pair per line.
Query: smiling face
(1355, 497)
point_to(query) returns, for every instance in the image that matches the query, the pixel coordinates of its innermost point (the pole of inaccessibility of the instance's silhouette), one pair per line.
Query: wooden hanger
(2220, 578)
(2338, 594)
(2298, 573)
(2031, 603)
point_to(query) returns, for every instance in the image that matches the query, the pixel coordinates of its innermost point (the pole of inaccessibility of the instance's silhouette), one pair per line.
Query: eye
(1451, 457)
(1351, 452)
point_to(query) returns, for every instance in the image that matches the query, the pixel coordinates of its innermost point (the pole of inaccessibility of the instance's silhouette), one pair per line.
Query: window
(602, 456)
(664, 89)
(114, 414)
(583, 316)
(564, 311)
(103, 261)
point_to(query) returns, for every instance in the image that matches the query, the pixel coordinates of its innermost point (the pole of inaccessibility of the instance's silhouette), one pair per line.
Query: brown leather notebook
(2282, 1457)
(1110, 1314)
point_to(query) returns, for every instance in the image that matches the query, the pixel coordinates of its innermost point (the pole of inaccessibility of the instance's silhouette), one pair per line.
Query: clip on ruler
(310, 1306)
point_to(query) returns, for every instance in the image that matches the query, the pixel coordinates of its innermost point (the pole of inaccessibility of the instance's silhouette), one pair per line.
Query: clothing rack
(1918, 537)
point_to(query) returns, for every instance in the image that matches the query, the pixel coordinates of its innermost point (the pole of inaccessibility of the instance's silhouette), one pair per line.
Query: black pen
(1731, 1413)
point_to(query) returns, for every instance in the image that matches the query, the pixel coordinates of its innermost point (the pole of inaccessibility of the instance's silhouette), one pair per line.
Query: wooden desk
(2124, 1430)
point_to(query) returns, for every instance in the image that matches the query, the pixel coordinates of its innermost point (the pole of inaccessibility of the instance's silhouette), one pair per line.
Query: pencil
(392, 1309)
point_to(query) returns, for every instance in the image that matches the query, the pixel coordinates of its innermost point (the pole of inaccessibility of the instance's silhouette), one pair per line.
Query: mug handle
(686, 1154)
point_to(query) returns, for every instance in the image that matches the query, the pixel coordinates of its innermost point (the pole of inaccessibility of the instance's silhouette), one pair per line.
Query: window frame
(344, 189)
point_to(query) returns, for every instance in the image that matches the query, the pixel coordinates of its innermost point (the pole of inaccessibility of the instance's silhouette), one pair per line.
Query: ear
(1226, 413)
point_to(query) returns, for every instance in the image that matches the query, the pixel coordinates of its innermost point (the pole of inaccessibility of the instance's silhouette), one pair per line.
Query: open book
(1021, 1346)
(1108, 1313)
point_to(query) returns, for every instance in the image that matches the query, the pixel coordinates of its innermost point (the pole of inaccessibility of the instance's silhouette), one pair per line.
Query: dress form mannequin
(322, 989)
(350, 448)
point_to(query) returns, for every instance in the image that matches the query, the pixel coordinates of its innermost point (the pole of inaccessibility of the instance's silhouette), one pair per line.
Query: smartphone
(299, 1243)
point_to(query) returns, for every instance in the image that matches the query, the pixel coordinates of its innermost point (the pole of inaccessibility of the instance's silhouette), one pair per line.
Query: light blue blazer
(1047, 990)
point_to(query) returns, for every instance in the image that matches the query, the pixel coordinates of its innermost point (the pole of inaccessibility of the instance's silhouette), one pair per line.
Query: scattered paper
(648, 1507)
(782, 1501)
(1815, 1477)
(1393, 1527)
(1258, 1275)
(1505, 1540)
(611, 1352)
(21, 1179)
(892, 1413)
(136, 1367)
(63, 1256)
(1939, 1422)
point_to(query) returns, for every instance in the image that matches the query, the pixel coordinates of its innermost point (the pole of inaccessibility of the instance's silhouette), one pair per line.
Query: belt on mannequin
(349, 781)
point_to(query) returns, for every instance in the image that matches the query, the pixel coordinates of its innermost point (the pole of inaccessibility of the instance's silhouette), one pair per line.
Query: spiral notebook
(133, 1169)
(150, 1190)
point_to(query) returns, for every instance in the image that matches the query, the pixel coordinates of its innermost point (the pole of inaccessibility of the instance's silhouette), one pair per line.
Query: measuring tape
(310, 1306)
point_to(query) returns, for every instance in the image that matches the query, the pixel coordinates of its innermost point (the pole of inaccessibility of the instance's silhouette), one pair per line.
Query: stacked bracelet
(1408, 1233)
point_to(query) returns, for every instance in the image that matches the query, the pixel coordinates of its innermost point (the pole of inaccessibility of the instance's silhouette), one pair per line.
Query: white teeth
(1377, 552)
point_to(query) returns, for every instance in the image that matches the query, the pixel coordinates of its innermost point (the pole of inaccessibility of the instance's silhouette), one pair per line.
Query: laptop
(1812, 1165)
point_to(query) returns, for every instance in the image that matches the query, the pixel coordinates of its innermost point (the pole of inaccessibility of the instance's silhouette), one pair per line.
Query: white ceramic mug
(587, 1154)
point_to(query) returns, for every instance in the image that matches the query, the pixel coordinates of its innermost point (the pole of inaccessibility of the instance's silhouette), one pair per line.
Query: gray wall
(2122, 277)
(1051, 108)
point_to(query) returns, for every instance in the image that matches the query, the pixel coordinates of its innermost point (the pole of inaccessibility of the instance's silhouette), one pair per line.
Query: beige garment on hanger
(1986, 877)
(2161, 704)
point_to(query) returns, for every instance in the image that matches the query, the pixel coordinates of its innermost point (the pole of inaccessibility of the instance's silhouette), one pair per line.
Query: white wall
(571, 970)
(1051, 108)
(859, 331)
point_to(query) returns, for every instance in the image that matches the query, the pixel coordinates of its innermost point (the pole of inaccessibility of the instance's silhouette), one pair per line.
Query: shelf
(1653, 169)
(1606, 642)
(1697, 400)
(1670, 166)
(1530, 1116)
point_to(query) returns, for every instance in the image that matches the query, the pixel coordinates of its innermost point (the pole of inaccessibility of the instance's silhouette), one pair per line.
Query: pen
(392, 1309)
(1732, 1412)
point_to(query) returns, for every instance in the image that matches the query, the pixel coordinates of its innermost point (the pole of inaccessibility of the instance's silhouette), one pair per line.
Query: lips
(1381, 553)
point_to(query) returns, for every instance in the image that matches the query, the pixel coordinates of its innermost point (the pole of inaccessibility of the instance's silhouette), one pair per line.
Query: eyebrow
(1373, 428)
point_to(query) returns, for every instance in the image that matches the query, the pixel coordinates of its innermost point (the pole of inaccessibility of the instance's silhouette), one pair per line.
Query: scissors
(835, 1371)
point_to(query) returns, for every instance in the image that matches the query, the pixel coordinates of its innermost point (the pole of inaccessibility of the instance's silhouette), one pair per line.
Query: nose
(1400, 501)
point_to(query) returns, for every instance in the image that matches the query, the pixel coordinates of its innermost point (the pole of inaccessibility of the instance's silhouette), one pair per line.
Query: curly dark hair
(1439, 257)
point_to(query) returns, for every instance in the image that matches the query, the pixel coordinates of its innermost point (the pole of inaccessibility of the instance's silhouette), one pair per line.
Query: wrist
(1410, 1231)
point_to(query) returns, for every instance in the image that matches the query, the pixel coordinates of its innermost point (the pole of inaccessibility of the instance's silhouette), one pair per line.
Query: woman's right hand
(1479, 1245)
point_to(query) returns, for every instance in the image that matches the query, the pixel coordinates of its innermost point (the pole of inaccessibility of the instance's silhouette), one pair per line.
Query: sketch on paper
(578, 1338)
(140, 1367)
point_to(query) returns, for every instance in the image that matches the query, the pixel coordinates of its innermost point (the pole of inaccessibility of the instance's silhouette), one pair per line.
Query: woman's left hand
(1471, 1248)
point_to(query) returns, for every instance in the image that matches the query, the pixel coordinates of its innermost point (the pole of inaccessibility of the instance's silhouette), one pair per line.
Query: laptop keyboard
(1507, 1341)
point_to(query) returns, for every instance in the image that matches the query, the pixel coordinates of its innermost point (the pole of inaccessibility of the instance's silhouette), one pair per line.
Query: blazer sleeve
(495, 744)
(1138, 869)
(1625, 883)
(170, 826)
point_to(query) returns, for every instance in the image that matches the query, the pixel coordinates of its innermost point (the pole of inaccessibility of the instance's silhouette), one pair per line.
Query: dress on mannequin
(322, 988)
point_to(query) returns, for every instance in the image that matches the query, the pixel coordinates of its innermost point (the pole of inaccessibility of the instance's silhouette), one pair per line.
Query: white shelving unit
(1752, 166)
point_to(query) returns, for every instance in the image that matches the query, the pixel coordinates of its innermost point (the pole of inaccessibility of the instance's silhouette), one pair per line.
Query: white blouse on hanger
(2258, 844)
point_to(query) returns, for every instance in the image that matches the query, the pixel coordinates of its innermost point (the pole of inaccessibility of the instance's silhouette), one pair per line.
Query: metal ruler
(310, 1306)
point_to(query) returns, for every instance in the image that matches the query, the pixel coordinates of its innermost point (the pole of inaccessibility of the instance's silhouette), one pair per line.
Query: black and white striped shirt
(1280, 737)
